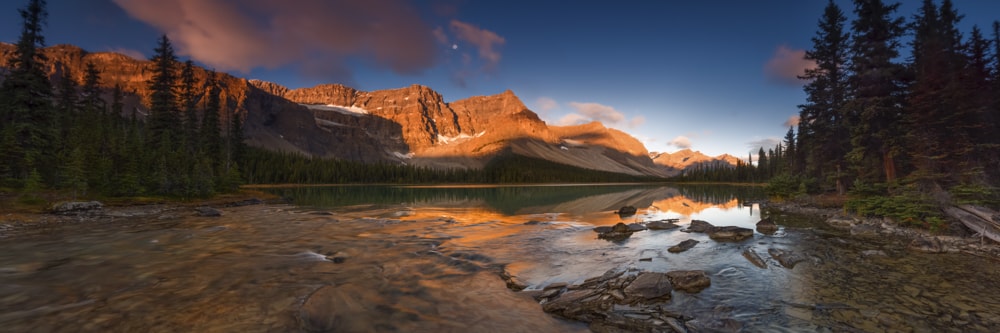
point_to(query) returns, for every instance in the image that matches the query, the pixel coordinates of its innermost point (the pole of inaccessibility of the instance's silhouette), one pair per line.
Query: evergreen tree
(164, 125)
(211, 137)
(823, 134)
(92, 101)
(878, 90)
(28, 122)
(790, 151)
(189, 102)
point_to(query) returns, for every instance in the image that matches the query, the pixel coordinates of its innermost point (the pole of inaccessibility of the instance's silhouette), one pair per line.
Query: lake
(420, 258)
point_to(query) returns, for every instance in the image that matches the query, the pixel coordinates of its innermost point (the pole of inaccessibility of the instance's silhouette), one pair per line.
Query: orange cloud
(792, 121)
(316, 35)
(787, 64)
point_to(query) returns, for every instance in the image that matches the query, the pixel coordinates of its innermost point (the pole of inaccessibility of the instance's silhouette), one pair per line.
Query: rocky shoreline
(956, 239)
(94, 214)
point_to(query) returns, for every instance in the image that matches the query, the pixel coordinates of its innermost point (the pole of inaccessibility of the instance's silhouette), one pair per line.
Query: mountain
(686, 158)
(412, 125)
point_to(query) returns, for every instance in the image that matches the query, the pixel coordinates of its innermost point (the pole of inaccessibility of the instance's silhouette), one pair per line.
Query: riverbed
(384, 259)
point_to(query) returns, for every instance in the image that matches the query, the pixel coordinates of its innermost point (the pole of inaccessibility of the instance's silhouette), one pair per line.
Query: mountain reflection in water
(386, 258)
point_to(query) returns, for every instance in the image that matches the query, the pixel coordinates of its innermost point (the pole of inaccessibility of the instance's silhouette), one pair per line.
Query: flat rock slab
(689, 281)
(649, 285)
(699, 226)
(683, 246)
(730, 233)
(661, 225)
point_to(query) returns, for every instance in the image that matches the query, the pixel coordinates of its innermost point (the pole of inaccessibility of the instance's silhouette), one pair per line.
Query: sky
(715, 76)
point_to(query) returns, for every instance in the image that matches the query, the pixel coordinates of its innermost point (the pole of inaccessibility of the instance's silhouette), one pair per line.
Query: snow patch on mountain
(444, 139)
(349, 110)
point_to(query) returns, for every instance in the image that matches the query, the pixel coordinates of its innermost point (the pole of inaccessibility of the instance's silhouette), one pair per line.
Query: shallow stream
(417, 259)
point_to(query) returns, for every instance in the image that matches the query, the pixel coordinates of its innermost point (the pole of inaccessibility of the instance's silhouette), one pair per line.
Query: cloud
(787, 64)
(317, 37)
(486, 42)
(588, 112)
(598, 112)
(681, 142)
(573, 119)
(766, 143)
(636, 121)
(792, 121)
(545, 104)
(128, 52)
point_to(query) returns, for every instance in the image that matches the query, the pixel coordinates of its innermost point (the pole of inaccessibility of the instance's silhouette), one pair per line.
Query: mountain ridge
(411, 125)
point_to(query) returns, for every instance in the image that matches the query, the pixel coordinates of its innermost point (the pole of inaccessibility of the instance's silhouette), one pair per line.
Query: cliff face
(411, 125)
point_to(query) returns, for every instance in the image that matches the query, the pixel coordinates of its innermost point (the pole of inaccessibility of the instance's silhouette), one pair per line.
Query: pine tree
(189, 103)
(878, 90)
(28, 119)
(823, 134)
(164, 125)
(92, 101)
(790, 151)
(211, 137)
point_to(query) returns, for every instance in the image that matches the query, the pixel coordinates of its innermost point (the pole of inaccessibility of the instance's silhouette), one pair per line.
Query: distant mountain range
(412, 125)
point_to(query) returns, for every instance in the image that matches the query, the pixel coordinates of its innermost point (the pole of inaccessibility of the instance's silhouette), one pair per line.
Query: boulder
(766, 226)
(699, 226)
(603, 229)
(67, 207)
(619, 232)
(683, 246)
(208, 211)
(730, 233)
(661, 225)
(649, 286)
(842, 222)
(626, 211)
(689, 281)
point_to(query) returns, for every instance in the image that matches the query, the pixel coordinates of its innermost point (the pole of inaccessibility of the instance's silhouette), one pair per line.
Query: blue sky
(710, 75)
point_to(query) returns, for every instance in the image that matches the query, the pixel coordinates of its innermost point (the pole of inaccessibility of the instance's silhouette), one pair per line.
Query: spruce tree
(164, 124)
(823, 135)
(189, 103)
(211, 137)
(28, 119)
(878, 90)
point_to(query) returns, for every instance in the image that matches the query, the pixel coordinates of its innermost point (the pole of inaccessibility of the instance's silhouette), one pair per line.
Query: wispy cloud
(544, 104)
(681, 142)
(319, 37)
(767, 143)
(787, 64)
(487, 42)
(792, 121)
(588, 112)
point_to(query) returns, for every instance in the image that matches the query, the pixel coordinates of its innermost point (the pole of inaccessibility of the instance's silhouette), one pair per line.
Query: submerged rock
(683, 246)
(699, 226)
(208, 211)
(689, 281)
(766, 226)
(754, 258)
(620, 231)
(864, 230)
(786, 258)
(730, 233)
(661, 225)
(636, 227)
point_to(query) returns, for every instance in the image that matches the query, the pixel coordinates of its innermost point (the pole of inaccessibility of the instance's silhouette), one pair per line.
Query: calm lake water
(412, 259)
